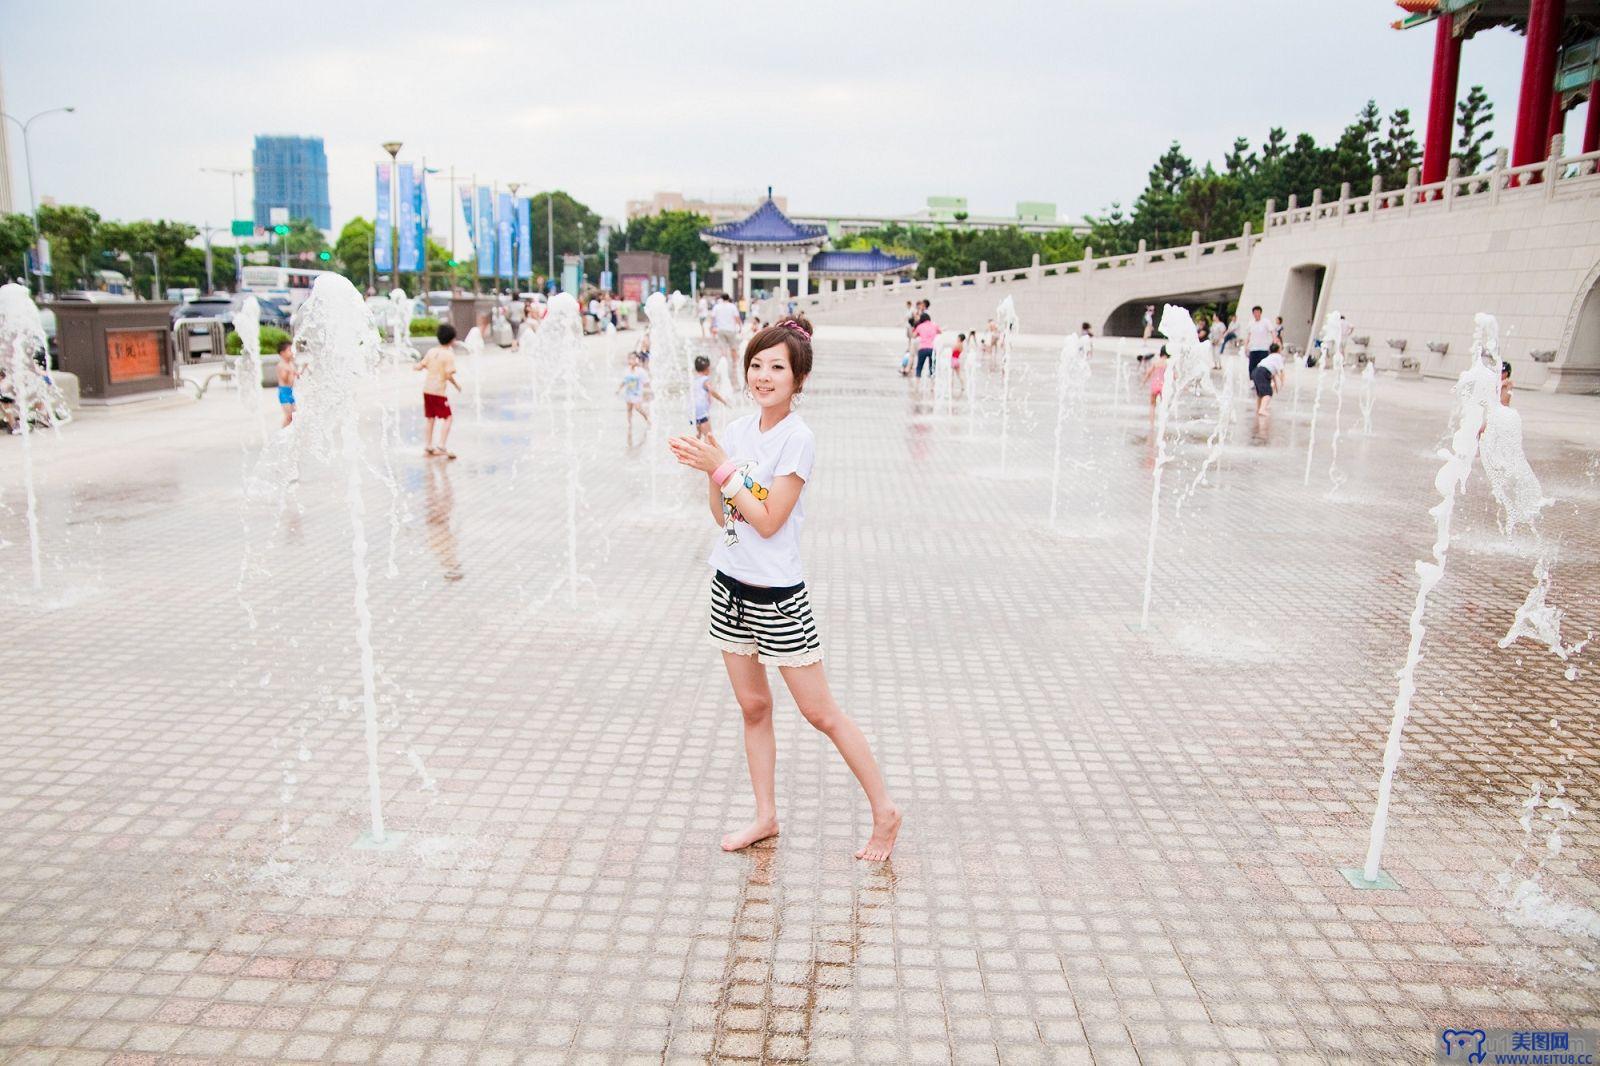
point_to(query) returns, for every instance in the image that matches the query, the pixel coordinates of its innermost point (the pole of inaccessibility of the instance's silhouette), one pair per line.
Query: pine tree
(1476, 114)
(1395, 155)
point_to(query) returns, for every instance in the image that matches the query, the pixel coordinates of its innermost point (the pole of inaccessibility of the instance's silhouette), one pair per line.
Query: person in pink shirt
(926, 332)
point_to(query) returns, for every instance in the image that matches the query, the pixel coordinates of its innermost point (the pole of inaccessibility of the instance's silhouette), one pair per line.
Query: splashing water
(668, 354)
(1336, 479)
(1331, 338)
(1369, 385)
(341, 351)
(1006, 316)
(1186, 366)
(474, 348)
(1225, 398)
(1474, 393)
(560, 345)
(398, 319)
(31, 393)
(1072, 376)
(1541, 621)
(247, 324)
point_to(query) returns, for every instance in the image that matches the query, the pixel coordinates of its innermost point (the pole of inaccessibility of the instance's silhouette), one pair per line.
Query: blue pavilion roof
(766, 225)
(877, 261)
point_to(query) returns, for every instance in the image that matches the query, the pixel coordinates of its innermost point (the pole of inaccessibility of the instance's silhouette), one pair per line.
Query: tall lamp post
(33, 196)
(516, 237)
(235, 173)
(206, 231)
(393, 148)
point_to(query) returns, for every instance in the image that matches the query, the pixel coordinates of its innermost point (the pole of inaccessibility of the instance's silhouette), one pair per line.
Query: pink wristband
(722, 473)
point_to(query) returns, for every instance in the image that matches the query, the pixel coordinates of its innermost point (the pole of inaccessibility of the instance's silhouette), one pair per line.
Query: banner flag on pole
(422, 215)
(409, 259)
(503, 219)
(382, 251)
(524, 240)
(485, 239)
(466, 216)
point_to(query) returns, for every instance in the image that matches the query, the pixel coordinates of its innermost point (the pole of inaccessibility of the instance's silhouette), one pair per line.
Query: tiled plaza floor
(1121, 844)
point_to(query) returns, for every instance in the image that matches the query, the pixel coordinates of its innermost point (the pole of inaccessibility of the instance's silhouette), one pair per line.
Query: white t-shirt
(724, 315)
(1273, 363)
(1260, 335)
(786, 448)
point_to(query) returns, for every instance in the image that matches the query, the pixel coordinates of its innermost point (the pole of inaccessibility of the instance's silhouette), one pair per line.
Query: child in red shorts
(439, 366)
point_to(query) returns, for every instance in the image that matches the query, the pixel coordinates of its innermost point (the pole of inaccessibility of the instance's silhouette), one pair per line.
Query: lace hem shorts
(773, 624)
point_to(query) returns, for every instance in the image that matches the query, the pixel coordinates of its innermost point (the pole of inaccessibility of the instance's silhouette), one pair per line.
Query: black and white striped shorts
(773, 624)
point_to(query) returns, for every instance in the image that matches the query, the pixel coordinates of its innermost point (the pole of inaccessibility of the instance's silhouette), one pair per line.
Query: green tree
(575, 223)
(1155, 212)
(1213, 204)
(674, 233)
(1475, 116)
(1395, 155)
(16, 238)
(71, 230)
(352, 252)
(1111, 233)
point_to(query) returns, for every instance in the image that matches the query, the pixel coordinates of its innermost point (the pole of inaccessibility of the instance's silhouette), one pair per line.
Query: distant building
(724, 210)
(1031, 216)
(292, 172)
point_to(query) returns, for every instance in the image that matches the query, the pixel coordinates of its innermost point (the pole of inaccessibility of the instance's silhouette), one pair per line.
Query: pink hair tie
(791, 324)
(722, 473)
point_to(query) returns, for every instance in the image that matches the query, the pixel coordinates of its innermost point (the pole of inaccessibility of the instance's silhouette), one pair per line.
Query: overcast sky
(844, 106)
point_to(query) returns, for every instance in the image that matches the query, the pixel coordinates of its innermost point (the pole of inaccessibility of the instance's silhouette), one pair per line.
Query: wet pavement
(1122, 844)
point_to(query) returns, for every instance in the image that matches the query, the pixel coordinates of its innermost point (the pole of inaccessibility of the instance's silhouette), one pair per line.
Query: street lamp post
(393, 148)
(33, 196)
(550, 236)
(207, 229)
(235, 173)
(155, 281)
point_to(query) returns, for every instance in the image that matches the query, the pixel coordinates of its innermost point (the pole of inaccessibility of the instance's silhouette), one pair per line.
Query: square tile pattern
(1122, 843)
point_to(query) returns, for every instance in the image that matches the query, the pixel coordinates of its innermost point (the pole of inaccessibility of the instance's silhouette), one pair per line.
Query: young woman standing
(760, 608)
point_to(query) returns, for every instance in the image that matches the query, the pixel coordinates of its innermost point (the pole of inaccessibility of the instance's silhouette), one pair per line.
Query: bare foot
(884, 830)
(757, 830)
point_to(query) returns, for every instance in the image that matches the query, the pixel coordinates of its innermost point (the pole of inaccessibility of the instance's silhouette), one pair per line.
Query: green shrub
(271, 337)
(424, 327)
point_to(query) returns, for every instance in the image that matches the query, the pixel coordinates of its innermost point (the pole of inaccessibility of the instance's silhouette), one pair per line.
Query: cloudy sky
(844, 106)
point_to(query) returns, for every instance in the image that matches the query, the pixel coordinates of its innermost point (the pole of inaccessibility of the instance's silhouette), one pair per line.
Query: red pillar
(1558, 120)
(1538, 82)
(1441, 100)
(1591, 119)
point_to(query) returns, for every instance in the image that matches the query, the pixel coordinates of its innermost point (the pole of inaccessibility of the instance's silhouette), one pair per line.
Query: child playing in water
(1155, 378)
(955, 363)
(439, 369)
(287, 376)
(760, 607)
(1268, 377)
(703, 395)
(632, 388)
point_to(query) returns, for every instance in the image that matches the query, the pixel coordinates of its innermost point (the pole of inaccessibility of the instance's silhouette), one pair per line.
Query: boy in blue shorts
(287, 374)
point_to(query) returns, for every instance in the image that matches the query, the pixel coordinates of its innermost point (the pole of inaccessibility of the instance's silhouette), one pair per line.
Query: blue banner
(410, 257)
(483, 243)
(503, 220)
(524, 240)
(422, 215)
(466, 216)
(382, 251)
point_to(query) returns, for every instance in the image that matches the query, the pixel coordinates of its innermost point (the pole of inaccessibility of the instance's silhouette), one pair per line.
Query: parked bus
(291, 283)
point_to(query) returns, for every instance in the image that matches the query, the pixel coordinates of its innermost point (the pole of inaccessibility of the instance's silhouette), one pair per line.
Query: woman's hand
(704, 455)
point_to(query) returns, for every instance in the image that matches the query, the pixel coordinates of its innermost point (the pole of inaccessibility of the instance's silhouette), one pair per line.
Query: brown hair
(794, 333)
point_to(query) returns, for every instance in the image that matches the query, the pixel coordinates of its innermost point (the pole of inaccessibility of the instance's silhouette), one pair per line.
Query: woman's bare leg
(750, 688)
(809, 687)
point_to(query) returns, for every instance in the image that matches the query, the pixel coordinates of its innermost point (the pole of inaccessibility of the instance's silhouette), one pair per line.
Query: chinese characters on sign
(133, 354)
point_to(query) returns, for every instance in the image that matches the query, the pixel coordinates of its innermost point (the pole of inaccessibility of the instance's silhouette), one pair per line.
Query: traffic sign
(244, 227)
(278, 216)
